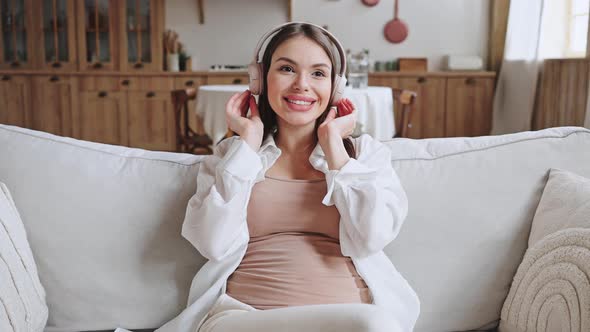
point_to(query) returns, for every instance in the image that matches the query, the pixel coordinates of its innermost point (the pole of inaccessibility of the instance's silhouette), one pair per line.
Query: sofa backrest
(104, 226)
(471, 205)
(104, 222)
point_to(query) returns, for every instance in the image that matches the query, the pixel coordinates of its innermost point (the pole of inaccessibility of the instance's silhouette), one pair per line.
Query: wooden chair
(407, 99)
(188, 140)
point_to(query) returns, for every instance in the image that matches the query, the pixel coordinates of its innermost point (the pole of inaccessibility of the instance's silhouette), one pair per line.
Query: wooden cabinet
(151, 115)
(136, 109)
(469, 106)
(97, 35)
(121, 35)
(447, 105)
(55, 35)
(428, 118)
(133, 111)
(141, 32)
(151, 120)
(54, 98)
(103, 117)
(94, 35)
(16, 36)
(15, 98)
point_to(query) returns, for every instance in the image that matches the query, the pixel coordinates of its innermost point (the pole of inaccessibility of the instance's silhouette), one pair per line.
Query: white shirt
(366, 191)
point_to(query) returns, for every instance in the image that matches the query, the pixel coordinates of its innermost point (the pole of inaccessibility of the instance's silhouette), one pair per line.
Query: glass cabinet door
(96, 21)
(141, 36)
(15, 36)
(58, 34)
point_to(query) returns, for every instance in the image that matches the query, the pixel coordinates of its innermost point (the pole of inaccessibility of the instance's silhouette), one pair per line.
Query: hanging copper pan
(396, 30)
(370, 3)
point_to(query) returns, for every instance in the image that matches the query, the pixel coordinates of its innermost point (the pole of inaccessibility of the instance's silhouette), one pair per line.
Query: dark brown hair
(267, 115)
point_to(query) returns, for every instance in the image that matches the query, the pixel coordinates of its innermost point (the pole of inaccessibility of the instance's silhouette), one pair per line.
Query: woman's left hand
(333, 130)
(339, 125)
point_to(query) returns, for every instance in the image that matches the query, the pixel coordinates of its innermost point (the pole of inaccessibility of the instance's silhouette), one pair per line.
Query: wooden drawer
(99, 83)
(189, 82)
(146, 83)
(234, 79)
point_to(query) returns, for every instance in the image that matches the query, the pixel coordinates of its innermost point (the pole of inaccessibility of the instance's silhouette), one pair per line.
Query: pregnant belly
(290, 269)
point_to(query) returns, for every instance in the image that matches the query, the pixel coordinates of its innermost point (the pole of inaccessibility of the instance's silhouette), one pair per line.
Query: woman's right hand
(250, 128)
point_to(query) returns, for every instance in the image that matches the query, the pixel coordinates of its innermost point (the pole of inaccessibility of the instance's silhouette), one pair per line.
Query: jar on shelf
(358, 69)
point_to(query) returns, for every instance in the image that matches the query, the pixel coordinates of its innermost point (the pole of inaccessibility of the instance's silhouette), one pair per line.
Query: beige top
(294, 256)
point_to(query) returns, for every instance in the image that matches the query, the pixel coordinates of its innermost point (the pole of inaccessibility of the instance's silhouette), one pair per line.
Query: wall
(233, 28)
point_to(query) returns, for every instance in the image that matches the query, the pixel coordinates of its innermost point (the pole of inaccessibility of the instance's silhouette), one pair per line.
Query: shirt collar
(271, 152)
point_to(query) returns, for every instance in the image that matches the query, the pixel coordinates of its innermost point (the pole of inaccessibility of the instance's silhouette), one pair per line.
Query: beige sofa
(103, 223)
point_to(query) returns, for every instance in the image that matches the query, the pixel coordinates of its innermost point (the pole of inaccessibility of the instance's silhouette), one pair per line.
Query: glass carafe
(358, 69)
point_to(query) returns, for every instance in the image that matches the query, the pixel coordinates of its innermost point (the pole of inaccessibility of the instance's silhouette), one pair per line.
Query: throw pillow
(565, 203)
(22, 297)
(551, 288)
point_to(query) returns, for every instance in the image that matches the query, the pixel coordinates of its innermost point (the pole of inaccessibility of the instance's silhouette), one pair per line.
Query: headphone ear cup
(339, 85)
(255, 73)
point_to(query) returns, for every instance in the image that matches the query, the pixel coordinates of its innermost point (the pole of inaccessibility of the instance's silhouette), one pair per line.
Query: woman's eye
(318, 73)
(286, 67)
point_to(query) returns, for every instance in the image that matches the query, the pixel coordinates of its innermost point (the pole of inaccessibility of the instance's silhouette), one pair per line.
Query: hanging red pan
(370, 3)
(396, 30)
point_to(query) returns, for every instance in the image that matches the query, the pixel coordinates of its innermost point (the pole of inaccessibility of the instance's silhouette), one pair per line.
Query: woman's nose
(301, 83)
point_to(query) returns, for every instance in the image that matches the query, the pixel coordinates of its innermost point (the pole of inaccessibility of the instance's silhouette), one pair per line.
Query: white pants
(231, 315)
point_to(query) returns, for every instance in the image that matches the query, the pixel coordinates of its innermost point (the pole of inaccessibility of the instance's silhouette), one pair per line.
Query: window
(577, 35)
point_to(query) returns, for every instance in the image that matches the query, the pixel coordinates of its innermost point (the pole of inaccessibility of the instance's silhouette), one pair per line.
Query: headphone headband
(328, 33)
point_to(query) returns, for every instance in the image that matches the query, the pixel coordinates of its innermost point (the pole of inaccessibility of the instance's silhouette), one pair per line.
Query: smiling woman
(293, 214)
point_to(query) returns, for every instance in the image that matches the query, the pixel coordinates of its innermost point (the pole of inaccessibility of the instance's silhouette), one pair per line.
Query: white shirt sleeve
(369, 197)
(215, 220)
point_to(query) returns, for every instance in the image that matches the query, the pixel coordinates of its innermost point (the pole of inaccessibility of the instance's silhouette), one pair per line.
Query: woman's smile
(299, 103)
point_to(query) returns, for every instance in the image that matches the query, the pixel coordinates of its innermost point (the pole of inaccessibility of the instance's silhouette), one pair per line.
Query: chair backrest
(407, 99)
(187, 140)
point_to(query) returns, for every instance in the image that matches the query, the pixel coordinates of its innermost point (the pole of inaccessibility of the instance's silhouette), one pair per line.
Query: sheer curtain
(517, 83)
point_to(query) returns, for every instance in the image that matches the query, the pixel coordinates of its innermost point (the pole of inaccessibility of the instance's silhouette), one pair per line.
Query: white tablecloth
(374, 105)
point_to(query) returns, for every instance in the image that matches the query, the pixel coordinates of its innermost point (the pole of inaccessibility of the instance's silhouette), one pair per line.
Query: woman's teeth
(299, 102)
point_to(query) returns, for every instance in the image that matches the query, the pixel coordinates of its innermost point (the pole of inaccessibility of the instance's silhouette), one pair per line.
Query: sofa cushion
(22, 297)
(471, 205)
(565, 204)
(104, 224)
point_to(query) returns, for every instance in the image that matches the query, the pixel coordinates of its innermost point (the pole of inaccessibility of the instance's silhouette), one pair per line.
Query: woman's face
(299, 83)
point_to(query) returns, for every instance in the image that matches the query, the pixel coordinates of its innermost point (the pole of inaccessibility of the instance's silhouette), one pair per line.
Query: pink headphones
(255, 68)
